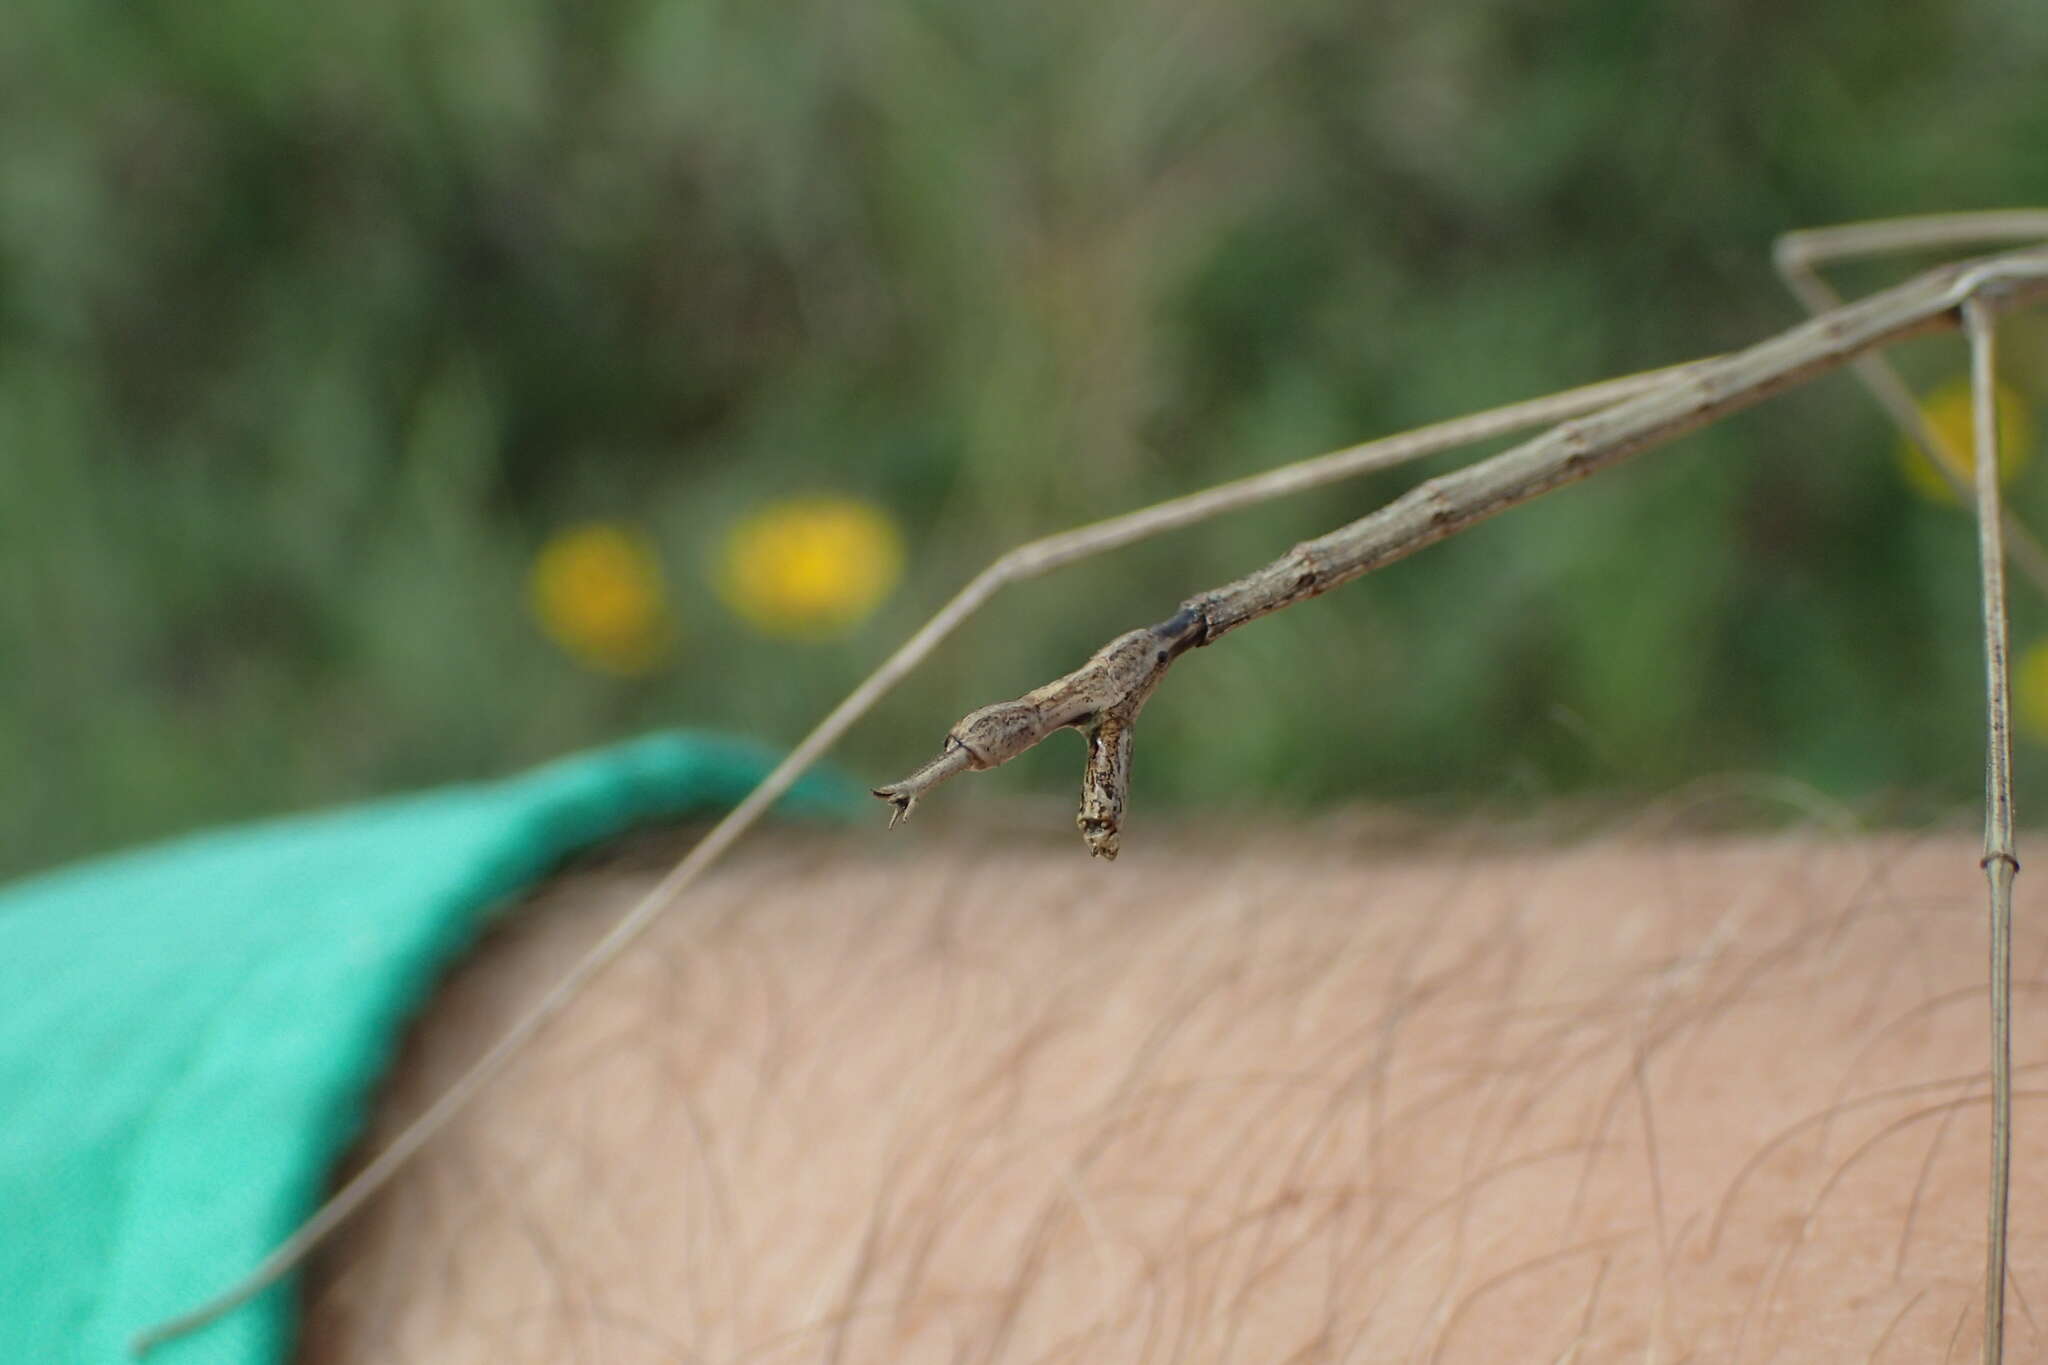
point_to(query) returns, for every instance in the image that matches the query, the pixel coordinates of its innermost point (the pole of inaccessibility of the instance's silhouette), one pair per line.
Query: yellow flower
(2030, 691)
(1947, 410)
(809, 568)
(597, 591)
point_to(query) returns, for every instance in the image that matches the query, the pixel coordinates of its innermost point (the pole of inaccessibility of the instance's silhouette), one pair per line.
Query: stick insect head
(983, 739)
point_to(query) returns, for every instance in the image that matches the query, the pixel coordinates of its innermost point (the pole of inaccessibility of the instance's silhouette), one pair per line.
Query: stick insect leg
(1799, 257)
(2000, 862)
(1026, 561)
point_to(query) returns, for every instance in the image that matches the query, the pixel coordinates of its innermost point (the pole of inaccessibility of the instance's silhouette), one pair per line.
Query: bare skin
(1346, 1093)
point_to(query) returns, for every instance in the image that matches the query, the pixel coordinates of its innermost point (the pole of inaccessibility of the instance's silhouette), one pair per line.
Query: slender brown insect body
(1117, 680)
(1602, 424)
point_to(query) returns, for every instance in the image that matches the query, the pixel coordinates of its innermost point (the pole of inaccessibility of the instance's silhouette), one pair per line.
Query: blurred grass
(315, 324)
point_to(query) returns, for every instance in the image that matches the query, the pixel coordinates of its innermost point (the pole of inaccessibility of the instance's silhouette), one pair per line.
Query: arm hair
(1326, 1095)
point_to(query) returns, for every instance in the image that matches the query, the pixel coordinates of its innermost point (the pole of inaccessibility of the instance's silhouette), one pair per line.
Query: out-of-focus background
(407, 390)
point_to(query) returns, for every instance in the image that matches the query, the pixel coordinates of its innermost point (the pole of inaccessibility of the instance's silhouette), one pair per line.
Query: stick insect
(1587, 430)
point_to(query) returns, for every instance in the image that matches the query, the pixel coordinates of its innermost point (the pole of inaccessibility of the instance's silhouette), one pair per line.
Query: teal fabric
(189, 1034)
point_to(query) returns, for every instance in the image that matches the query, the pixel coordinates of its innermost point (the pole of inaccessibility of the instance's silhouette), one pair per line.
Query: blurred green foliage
(316, 321)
